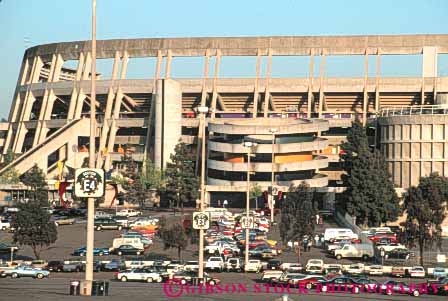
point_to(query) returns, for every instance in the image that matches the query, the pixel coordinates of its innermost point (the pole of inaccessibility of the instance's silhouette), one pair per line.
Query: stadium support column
(321, 88)
(168, 120)
(256, 91)
(429, 68)
(310, 85)
(365, 102)
(377, 80)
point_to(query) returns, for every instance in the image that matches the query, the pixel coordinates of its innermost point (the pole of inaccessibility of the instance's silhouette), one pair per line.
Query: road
(57, 288)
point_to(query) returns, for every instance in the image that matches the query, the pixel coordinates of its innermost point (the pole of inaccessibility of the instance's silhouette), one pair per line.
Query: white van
(134, 241)
(331, 233)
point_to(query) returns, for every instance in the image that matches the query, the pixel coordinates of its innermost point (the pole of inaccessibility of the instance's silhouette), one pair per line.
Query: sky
(26, 23)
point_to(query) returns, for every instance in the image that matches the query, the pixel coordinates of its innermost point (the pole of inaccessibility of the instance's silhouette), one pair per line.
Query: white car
(355, 269)
(253, 266)
(391, 247)
(417, 272)
(129, 212)
(139, 275)
(376, 270)
(315, 262)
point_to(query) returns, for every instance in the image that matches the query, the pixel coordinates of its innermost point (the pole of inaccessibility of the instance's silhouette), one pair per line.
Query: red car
(309, 281)
(377, 237)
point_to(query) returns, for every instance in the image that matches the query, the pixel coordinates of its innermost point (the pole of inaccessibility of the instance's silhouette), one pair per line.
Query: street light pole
(249, 146)
(91, 201)
(203, 111)
(273, 131)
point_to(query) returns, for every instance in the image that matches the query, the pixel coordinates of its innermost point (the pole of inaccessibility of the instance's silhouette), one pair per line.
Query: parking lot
(71, 237)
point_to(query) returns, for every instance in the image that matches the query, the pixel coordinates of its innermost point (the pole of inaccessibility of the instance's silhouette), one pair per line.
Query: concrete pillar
(321, 88)
(115, 66)
(76, 90)
(168, 64)
(87, 67)
(205, 77)
(365, 102)
(124, 65)
(267, 92)
(377, 80)
(429, 61)
(256, 92)
(58, 68)
(168, 120)
(310, 84)
(215, 80)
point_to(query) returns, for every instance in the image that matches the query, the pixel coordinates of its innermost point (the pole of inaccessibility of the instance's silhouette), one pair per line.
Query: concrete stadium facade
(47, 121)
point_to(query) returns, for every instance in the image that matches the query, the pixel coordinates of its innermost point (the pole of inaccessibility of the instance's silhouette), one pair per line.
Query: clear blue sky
(24, 23)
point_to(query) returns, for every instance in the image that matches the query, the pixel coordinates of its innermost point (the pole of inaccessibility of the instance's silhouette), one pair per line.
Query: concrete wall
(414, 146)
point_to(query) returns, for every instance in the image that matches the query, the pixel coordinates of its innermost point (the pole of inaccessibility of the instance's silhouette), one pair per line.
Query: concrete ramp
(60, 141)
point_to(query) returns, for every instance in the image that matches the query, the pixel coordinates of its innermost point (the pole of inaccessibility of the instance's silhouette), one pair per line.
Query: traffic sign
(89, 183)
(201, 220)
(274, 190)
(247, 223)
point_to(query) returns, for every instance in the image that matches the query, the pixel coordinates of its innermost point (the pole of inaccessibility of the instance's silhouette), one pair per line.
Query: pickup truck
(253, 266)
(215, 263)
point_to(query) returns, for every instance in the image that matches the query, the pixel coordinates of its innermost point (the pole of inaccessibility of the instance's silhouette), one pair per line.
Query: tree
(151, 176)
(425, 207)
(370, 195)
(10, 176)
(35, 179)
(298, 211)
(174, 237)
(9, 157)
(182, 184)
(255, 191)
(34, 227)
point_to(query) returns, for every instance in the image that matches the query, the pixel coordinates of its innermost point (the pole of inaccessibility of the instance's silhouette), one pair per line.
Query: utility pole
(203, 111)
(91, 201)
(271, 197)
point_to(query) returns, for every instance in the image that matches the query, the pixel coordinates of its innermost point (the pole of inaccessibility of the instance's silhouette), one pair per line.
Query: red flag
(62, 188)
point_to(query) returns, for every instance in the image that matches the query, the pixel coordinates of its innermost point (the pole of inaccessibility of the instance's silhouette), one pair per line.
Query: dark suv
(107, 224)
(55, 266)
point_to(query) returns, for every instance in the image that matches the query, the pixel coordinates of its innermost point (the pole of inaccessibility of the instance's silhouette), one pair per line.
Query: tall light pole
(273, 131)
(249, 145)
(202, 111)
(91, 201)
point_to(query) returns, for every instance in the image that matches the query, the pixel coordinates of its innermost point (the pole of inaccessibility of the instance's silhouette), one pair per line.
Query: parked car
(376, 270)
(307, 281)
(114, 265)
(215, 263)
(285, 277)
(274, 264)
(253, 266)
(62, 220)
(314, 269)
(440, 272)
(55, 266)
(391, 286)
(138, 275)
(186, 277)
(26, 271)
(399, 253)
(296, 267)
(379, 236)
(129, 212)
(355, 269)
(369, 285)
(127, 250)
(439, 286)
(191, 265)
(315, 262)
(417, 272)
(96, 251)
(397, 271)
(347, 284)
(107, 224)
(122, 220)
(233, 264)
(102, 214)
(73, 266)
(38, 263)
(390, 246)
